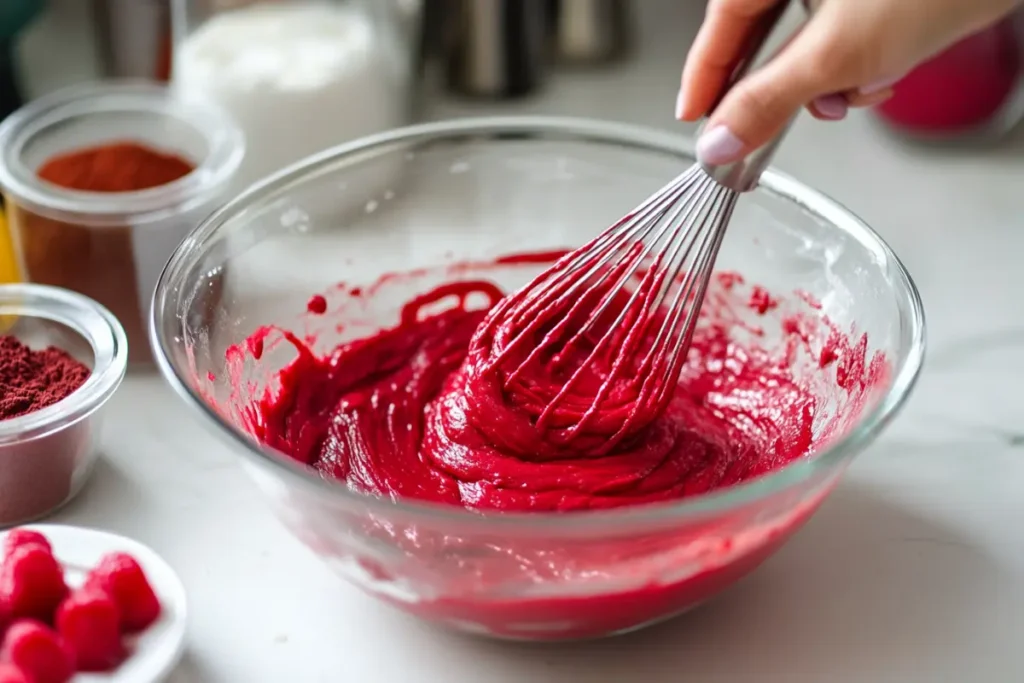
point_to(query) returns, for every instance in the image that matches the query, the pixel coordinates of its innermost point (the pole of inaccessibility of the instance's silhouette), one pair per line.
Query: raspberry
(12, 674)
(120, 575)
(32, 583)
(5, 618)
(89, 623)
(17, 538)
(38, 652)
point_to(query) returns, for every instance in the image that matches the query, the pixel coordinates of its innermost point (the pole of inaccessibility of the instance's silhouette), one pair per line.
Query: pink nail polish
(680, 106)
(719, 146)
(832, 107)
(879, 85)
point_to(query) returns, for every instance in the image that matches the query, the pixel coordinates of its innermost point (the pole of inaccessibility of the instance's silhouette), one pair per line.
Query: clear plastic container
(111, 246)
(46, 456)
(299, 76)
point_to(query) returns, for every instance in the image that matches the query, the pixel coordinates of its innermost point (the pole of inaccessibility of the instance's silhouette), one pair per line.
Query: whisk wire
(670, 226)
(653, 286)
(557, 282)
(676, 334)
(640, 282)
(619, 314)
(671, 342)
(633, 291)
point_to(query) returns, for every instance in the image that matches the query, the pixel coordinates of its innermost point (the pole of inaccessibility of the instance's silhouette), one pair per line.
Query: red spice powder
(117, 167)
(32, 380)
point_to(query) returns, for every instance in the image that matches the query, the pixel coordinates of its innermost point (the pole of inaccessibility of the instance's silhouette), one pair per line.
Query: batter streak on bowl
(404, 412)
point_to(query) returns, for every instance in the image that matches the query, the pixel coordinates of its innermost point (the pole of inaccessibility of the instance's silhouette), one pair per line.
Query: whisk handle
(742, 175)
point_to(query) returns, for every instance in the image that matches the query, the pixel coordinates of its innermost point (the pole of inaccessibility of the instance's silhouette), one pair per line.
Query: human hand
(849, 53)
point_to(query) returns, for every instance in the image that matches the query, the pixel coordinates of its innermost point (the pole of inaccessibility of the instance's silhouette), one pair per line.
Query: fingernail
(680, 105)
(879, 85)
(719, 146)
(833, 107)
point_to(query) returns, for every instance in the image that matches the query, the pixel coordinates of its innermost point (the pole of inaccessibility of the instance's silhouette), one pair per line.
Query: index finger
(716, 51)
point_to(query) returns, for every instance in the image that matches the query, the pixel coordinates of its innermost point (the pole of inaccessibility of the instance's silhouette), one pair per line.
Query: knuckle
(761, 104)
(816, 77)
(834, 59)
(755, 98)
(766, 96)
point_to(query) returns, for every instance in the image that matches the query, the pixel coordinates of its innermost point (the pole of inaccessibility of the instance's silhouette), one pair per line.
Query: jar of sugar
(298, 76)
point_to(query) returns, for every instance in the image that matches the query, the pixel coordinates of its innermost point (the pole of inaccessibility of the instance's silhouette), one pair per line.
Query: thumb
(761, 104)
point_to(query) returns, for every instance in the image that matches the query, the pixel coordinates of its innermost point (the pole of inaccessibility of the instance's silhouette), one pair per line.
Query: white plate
(156, 651)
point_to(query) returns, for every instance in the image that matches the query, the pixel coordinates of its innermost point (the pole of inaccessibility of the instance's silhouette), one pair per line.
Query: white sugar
(298, 78)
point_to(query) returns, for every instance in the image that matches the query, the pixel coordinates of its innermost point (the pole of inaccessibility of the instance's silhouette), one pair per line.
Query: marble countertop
(912, 571)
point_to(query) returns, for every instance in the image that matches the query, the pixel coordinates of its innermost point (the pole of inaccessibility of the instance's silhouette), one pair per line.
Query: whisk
(595, 346)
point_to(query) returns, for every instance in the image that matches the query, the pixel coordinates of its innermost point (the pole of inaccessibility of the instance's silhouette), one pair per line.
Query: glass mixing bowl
(435, 194)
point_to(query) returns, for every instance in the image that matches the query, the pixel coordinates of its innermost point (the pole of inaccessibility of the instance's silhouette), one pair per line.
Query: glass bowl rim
(638, 137)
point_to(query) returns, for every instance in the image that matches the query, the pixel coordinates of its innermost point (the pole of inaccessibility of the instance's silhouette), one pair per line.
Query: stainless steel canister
(493, 48)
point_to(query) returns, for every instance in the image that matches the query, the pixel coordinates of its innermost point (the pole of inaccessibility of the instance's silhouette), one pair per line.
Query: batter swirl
(406, 413)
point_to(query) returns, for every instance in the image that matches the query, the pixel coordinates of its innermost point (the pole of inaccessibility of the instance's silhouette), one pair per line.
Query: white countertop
(912, 571)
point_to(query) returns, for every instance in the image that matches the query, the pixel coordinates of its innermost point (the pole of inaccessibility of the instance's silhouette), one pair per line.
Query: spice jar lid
(101, 113)
(40, 316)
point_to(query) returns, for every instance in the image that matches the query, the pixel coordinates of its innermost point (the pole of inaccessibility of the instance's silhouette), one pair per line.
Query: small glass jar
(46, 456)
(299, 76)
(111, 246)
(974, 89)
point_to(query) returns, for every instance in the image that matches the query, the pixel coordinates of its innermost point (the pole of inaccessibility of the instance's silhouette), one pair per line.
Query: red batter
(406, 412)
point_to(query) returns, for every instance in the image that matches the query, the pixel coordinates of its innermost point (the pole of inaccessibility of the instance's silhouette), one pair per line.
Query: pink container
(975, 87)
